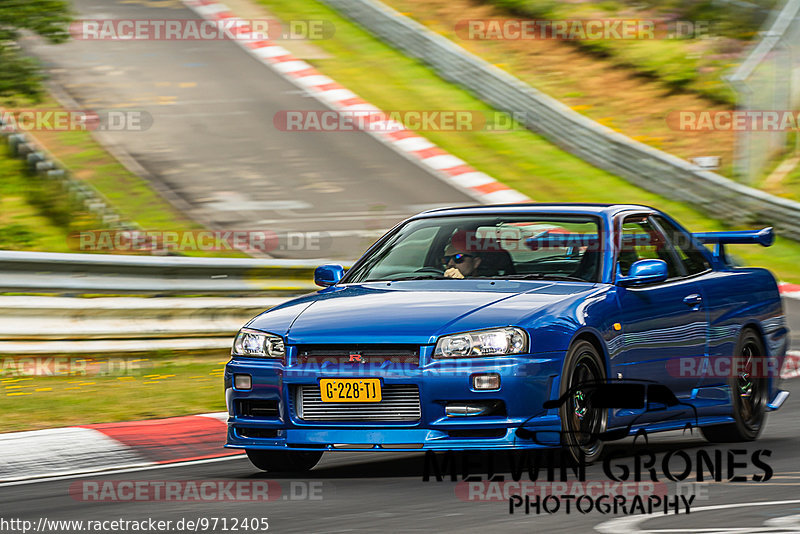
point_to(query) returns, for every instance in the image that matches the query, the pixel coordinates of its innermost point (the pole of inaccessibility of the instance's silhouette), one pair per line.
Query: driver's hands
(453, 272)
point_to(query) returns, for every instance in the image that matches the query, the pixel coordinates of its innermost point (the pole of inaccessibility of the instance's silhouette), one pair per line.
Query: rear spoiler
(764, 237)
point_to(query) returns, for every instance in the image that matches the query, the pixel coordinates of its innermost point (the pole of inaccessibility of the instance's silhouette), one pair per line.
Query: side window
(693, 260)
(640, 240)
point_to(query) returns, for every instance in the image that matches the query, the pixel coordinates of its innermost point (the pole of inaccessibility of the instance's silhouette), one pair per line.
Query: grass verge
(28, 220)
(146, 386)
(23, 226)
(519, 158)
(691, 48)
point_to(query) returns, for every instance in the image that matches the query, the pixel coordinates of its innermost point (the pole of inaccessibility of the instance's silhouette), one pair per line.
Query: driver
(458, 263)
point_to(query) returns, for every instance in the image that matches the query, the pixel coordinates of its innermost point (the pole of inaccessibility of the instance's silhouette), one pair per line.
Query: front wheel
(581, 423)
(749, 391)
(284, 461)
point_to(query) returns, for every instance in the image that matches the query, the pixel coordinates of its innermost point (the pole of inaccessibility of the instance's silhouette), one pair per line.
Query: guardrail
(75, 274)
(640, 164)
(150, 316)
(63, 325)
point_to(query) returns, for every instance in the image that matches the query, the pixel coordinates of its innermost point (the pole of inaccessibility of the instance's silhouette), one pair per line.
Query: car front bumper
(527, 381)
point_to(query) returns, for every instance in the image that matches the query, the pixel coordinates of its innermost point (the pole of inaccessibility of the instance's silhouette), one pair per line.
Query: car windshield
(541, 246)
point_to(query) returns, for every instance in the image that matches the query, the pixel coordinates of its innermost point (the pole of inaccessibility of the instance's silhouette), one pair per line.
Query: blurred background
(168, 171)
(171, 168)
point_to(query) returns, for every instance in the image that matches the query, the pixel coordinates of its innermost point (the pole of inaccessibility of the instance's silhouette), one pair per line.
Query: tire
(580, 423)
(749, 396)
(284, 461)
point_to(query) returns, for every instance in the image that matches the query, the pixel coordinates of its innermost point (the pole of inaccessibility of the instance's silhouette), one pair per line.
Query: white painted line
(291, 66)
(472, 179)
(222, 417)
(313, 80)
(270, 51)
(505, 196)
(631, 524)
(413, 144)
(335, 95)
(362, 107)
(59, 450)
(386, 127)
(208, 10)
(444, 162)
(123, 469)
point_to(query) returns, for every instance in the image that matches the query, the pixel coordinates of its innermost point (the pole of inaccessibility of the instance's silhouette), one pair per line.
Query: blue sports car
(513, 327)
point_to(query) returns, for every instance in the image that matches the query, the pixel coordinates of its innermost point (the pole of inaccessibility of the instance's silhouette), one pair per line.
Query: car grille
(363, 354)
(398, 403)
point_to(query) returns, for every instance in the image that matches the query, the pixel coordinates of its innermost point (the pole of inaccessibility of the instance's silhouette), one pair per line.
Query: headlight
(250, 342)
(494, 342)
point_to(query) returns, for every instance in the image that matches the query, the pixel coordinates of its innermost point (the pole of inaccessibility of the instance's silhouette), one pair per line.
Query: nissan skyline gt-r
(503, 327)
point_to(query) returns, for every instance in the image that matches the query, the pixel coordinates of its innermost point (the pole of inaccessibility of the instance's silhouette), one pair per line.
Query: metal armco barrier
(158, 302)
(640, 164)
(59, 325)
(75, 274)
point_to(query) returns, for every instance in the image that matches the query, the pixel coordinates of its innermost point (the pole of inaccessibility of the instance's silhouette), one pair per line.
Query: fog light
(486, 381)
(242, 381)
(454, 409)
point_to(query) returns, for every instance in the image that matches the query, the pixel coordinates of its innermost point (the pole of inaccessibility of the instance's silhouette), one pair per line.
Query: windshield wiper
(536, 276)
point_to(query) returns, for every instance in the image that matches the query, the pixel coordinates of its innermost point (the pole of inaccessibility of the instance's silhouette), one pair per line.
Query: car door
(664, 325)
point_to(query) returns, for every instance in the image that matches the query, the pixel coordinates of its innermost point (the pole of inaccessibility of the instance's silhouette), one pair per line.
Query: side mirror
(644, 272)
(327, 275)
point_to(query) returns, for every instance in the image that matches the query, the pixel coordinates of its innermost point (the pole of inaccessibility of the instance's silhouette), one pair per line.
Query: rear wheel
(284, 461)
(580, 422)
(749, 389)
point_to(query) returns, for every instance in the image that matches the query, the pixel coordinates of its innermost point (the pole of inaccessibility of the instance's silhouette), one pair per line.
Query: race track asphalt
(384, 492)
(213, 145)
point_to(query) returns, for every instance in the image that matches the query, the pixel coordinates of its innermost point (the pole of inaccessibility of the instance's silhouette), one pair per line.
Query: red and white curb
(791, 291)
(86, 449)
(103, 447)
(414, 147)
(144, 444)
(791, 365)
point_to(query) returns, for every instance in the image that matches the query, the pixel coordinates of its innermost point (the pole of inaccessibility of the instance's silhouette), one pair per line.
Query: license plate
(350, 389)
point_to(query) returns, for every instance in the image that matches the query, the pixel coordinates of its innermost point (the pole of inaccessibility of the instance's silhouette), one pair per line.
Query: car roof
(581, 208)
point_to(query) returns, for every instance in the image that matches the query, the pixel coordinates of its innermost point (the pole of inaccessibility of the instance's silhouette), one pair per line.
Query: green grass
(22, 225)
(77, 151)
(153, 386)
(690, 63)
(88, 160)
(131, 195)
(519, 158)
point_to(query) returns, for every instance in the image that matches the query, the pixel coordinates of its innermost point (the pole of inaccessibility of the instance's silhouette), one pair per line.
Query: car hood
(415, 311)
